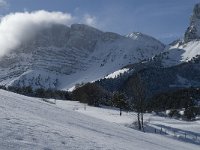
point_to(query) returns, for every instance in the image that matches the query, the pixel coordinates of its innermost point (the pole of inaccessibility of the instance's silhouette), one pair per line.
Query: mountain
(180, 61)
(174, 68)
(187, 48)
(193, 31)
(59, 56)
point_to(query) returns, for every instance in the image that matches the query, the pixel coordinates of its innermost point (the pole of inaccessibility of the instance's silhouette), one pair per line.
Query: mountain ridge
(175, 68)
(59, 57)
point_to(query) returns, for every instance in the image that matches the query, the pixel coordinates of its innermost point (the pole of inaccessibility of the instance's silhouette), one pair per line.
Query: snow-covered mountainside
(176, 67)
(187, 48)
(60, 56)
(29, 123)
(179, 63)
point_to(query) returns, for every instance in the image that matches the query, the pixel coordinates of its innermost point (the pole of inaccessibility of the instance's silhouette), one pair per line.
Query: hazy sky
(166, 20)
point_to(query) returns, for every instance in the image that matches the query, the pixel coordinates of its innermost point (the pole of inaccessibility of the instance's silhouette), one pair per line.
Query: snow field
(30, 123)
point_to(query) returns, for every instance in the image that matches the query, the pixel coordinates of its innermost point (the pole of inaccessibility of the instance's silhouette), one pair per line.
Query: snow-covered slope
(188, 48)
(117, 73)
(61, 56)
(111, 114)
(180, 52)
(29, 123)
(174, 68)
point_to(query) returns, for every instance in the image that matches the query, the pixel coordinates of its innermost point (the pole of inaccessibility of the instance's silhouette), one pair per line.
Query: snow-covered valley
(29, 123)
(49, 57)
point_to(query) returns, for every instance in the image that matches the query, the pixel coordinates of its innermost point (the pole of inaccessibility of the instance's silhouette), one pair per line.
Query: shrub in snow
(174, 113)
(189, 113)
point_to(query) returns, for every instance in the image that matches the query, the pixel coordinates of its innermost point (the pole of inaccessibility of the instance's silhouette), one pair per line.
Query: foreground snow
(171, 128)
(29, 123)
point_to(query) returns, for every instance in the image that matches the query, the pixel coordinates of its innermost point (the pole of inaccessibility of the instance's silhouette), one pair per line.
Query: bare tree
(139, 95)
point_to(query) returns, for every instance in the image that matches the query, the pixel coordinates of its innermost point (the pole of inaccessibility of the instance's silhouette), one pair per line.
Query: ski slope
(29, 123)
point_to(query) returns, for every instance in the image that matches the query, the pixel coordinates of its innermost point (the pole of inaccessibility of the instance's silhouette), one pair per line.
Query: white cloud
(18, 27)
(3, 3)
(90, 20)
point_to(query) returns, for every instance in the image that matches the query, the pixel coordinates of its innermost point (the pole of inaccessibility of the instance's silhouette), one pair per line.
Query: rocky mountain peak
(196, 11)
(134, 35)
(140, 37)
(193, 31)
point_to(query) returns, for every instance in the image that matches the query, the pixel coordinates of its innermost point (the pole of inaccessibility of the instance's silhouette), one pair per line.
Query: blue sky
(166, 20)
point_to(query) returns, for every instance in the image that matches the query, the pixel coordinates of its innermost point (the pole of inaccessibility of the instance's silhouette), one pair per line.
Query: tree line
(40, 92)
(132, 98)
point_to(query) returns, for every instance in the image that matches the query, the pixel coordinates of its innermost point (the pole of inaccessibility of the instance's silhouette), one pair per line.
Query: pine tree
(119, 101)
